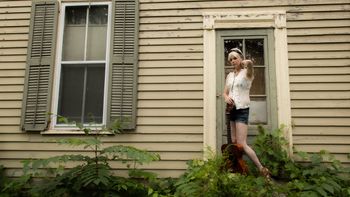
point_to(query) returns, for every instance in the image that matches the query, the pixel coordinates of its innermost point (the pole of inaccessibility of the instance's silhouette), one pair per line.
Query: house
(160, 66)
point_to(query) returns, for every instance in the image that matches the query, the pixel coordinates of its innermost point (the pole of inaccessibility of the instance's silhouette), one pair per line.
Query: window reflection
(255, 50)
(252, 49)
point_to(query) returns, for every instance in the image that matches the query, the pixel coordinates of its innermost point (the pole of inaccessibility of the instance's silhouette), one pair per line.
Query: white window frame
(213, 21)
(53, 125)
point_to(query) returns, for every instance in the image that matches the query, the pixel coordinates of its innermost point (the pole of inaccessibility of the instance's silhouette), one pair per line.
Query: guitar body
(234, 162)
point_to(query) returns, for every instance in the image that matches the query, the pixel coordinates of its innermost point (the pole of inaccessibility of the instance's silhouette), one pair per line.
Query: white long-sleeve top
(239, 87)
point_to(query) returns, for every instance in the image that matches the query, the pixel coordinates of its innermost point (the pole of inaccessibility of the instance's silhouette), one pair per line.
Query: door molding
(213, 21)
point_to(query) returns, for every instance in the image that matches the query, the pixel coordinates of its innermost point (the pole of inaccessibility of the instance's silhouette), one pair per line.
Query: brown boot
(265, 173)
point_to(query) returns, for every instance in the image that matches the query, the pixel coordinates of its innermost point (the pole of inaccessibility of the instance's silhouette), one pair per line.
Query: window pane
(74, 33)
(228, 45)
(97, 33)
(258, 86)
(76, 15)
(71, 92)
(255, 50)
(73, 80)
(98, 15)
(94, 93)
(258, 111)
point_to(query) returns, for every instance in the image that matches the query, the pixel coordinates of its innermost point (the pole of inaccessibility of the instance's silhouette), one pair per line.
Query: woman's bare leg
(233, 131)
(241, 135)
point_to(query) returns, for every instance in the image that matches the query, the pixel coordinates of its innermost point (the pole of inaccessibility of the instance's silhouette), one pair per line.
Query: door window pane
(253, 49)
(258, 85)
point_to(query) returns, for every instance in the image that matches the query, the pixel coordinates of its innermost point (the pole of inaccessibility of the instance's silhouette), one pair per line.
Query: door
(256, 45)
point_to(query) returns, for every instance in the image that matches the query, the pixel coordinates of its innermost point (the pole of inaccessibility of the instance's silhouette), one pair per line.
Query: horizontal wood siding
(170, 89)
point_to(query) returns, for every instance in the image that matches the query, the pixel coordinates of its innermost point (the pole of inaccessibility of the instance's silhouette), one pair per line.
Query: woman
(236, 94)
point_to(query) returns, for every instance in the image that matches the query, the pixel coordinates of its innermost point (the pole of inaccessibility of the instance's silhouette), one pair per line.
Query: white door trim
(213, 21)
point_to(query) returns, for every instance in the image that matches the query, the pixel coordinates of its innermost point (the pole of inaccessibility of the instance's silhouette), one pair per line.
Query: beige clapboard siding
(318, 63)
(321, 130)
(169, 64)
(305, 113)
(319, 51)
(320, 95)
(151, 146)
(120, 138)
(170, 79)
(338, 149)
(166, 156)
(180, 5)
(311, 104)
(344, 70)
(170, 86)
(319, 47)
(320, 87)
(149, 124)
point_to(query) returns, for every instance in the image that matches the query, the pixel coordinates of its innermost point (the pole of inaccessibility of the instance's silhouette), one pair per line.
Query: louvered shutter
(39, 67)
(123, 63)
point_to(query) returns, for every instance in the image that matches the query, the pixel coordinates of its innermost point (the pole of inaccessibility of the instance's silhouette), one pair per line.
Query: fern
(92, 173)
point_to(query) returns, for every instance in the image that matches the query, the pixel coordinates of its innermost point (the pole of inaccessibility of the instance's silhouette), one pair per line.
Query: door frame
(271, 102)
(213, 22)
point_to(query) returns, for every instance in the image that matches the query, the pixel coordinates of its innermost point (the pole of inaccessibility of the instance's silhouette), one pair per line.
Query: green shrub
(209, 178)
(91, 175)
(316, 176)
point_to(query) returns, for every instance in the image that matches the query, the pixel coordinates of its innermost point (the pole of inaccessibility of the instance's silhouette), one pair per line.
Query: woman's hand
(229, 100)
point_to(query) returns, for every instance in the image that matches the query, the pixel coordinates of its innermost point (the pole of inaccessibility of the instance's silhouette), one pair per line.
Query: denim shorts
(239, 115)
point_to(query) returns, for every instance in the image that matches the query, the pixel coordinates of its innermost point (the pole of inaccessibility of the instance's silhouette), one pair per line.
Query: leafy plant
(91, 175)
(319, 175)
(13, 188)
(209, 178)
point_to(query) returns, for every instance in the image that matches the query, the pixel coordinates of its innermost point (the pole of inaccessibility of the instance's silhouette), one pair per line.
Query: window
(82, 73)
(253, 48)
(87, 70)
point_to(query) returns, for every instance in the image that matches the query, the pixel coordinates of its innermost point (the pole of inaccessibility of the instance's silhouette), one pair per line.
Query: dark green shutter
(39, 67)
(123, 63)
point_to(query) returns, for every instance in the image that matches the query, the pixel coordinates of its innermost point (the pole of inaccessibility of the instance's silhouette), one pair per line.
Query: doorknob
(218, 95)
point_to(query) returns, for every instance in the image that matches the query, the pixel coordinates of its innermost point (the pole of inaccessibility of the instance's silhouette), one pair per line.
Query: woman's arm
(226, 97)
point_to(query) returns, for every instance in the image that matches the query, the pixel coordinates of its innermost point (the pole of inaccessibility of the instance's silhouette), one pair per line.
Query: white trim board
(214, 21)
(56, 82)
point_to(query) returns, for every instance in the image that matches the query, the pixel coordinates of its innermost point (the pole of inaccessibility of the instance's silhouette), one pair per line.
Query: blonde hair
(233, 53)
(236, 50)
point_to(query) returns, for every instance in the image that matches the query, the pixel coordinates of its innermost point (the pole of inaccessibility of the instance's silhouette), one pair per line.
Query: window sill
(71, 132)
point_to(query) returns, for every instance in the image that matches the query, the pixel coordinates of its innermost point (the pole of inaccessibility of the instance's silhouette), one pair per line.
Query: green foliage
(91, 175)
(317, 174)
(209, 178)
(320, 175)
(12, 188)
